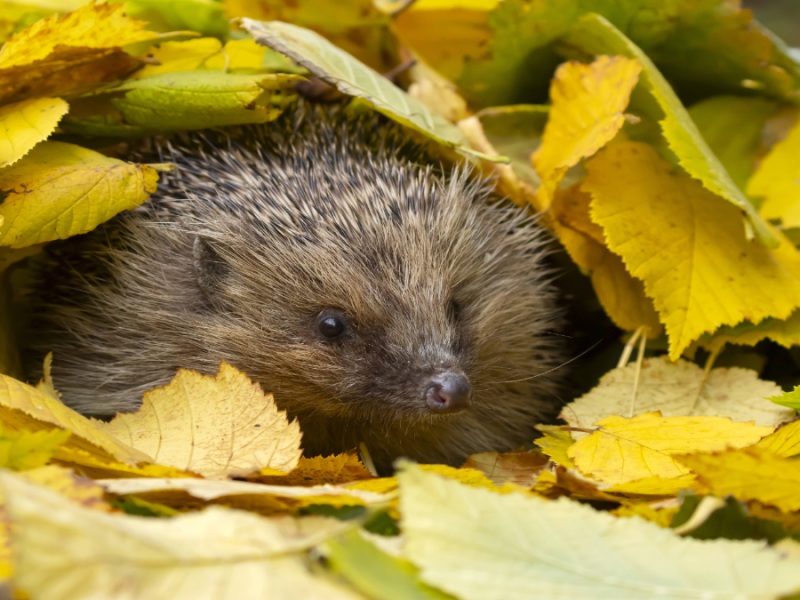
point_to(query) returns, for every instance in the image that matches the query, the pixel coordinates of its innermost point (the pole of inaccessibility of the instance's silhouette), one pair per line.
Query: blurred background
(782, 17)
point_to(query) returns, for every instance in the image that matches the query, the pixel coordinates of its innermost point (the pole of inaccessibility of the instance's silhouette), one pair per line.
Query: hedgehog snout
(448, 393)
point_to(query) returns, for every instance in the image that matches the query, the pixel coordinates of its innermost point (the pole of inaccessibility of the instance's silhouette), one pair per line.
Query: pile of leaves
(659, 141)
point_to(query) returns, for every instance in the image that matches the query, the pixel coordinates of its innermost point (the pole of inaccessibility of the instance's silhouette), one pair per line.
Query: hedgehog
(382, 298)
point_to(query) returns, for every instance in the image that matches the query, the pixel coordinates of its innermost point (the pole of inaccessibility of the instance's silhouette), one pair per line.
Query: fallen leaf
(660, 516)
(66, 551)
(621, 295)
(653, 486)
(659, 103)
(357, 26)
(777, 181)
(587, 106)
(749, 474)
(519, 468)
(461, 538)
(554, 443)
(316, 470)
(199, 99)
(687, 246)
(676, 390)
(784, 441)
(242, 494)
(24, 408)
(788, 399)
(59, 190)
(81, 490)
(70, 54)
(375, 573)
(24, 450)
(214, 426)
(624, 450)
(339, 69)
(783, 331)
(179, 56)
(25, 124)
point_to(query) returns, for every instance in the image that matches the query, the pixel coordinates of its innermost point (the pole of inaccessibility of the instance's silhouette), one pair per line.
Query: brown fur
(257, 233)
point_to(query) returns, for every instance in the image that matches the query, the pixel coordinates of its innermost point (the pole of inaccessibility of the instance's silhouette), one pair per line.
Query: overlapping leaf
(66, 551)
(70, 54)
(687, 246)
(587, 106)
(341, 70)
(25, 124)
(749, 474)
(461, 538)
(59, 190)
(215, 426)
(677, 390)
(624, 450)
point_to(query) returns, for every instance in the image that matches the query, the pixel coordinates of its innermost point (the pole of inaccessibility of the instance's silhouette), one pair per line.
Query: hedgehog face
(398, 317)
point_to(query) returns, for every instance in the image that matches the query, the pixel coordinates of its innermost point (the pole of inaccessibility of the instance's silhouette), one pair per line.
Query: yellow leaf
(243, 494)
(749, 474)
(341, 468)
(23, 407)
(98, 466)
(688, 246)
(470, 477)
(70, 552)
(80, 490)
(238, 54)
(62, 481)
(59, 190)
(654, 486)
(25, 124)
(624, 450)
(777, 181)
(355, 26)
(90, 26)
(785, 332)
(621, 294)
(677, 390)
(554, 443)
(785, 441)
(660, 516)
(215, 426)
(23, 450)
(70, 54)
(587, 106)
(180, 56)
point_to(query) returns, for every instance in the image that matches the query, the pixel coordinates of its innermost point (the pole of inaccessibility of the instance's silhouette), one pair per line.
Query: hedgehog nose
(449, 393)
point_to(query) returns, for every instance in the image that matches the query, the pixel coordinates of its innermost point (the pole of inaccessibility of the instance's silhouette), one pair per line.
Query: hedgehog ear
(211, 269)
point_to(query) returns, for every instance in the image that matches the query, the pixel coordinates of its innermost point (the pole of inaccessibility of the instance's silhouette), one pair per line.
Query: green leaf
(200, 99)
(655, 99)
(24, 450)
(59, 190)
(516, 132)
(375, 573)
(480, 545)
(349, 76)
(789, 399)
(206, 17)
(731, 126)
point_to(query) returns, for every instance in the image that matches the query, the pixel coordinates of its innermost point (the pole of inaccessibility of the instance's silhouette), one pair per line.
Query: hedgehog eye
(331, 327)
